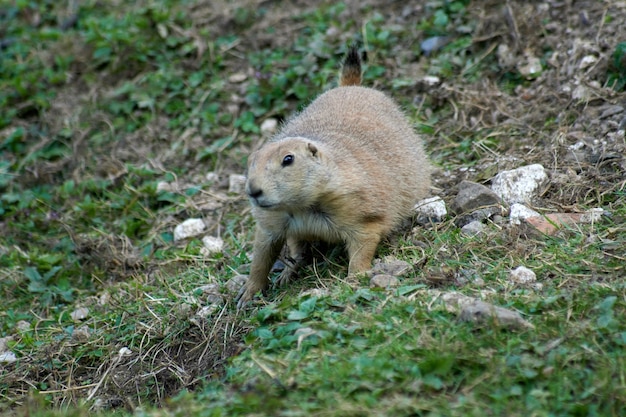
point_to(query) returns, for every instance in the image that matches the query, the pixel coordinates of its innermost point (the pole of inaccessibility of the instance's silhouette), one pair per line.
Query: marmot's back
(370, 134)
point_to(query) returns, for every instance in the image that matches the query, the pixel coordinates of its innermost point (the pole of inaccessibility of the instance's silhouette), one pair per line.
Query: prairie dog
(348, 168)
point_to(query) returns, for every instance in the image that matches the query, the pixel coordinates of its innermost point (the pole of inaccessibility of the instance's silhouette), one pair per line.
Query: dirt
(564, 118)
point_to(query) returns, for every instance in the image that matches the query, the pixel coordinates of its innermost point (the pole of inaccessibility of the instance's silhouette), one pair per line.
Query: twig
(58, 391)
(264, 367)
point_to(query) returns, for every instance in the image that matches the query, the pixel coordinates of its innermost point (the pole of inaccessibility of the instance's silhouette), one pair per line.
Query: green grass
(104, 103)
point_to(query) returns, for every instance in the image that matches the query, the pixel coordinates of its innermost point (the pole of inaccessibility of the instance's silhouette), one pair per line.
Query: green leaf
(264, 333)
(433, 382)
(607, 304)
(407, 289)
(441, 18)
(308, 305)
(103, 53)
(265, 313)
(215, 147)
(32, 274)
(297, 315)
(50, 274)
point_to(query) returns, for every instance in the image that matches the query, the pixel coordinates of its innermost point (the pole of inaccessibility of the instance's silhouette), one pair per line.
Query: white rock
(315, 292)
(581, 93)
(189, 228)
(237, 77)
(587, 61)
(506, 58)
(206, 311)
(522, 275)
(520, 212)
(163, 186)
(531, 68)
(593, 215)
(7, 357)
(3, 343)
(212, 245)
(521, 184)
(104, 299)
(22, 326)
(431, 80)
(432, 208)
(236, 183)
(269, 126)
(124, 352)
(577, 146)
(232, 108)
(80, 313)
(214, 302)
(212, 177)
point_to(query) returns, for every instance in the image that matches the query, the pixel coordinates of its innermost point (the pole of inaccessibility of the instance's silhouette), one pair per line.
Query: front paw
(247, 291)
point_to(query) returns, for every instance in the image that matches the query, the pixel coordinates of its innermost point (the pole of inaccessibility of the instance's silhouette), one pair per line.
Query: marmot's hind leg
(361, 251)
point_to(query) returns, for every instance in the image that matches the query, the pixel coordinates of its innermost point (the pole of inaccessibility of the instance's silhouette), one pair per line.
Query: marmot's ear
(312, 148)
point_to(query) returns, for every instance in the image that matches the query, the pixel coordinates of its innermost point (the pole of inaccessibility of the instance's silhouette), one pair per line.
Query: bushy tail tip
(351, 68)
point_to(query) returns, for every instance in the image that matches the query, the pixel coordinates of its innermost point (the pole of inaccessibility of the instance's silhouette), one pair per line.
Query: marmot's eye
(287, 160)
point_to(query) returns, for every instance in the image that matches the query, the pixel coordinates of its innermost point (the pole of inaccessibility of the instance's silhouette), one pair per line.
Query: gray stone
(610, 110)
(479, 215)
(473, 196)
(235, 283)
(478, 311)
(208, 289)
(384, 281)
(393, 267)
(434, 43)
(482, 312)
(474, 228)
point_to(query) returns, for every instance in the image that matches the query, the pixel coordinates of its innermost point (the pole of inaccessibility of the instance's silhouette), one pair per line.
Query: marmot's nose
(253, 191)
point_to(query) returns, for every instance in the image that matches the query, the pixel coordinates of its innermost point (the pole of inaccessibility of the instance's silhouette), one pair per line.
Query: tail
(351, 68)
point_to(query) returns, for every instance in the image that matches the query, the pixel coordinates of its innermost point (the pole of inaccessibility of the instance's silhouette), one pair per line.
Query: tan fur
(357, 170)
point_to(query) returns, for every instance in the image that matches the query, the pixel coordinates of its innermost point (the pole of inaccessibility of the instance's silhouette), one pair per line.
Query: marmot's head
(285, 175)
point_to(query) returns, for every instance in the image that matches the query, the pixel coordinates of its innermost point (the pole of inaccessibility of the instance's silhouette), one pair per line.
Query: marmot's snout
(254, 192)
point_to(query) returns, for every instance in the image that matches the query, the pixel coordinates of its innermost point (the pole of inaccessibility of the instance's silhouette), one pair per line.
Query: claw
(245, 294)
(240, 298)
(285, 277)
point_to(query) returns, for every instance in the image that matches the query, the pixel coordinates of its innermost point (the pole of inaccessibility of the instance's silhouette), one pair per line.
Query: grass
(112, 117)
